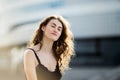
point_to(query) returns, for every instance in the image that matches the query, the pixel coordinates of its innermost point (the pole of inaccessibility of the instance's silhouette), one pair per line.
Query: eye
(59, 29)
(52, 26)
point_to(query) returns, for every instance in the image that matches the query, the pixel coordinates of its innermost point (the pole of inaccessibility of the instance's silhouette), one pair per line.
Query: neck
(47, 45)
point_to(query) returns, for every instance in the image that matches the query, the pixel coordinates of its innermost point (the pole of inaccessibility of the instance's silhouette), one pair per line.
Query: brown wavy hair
(63, 48)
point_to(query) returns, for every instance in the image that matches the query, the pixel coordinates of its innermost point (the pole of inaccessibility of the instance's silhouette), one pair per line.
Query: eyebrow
(55, 25)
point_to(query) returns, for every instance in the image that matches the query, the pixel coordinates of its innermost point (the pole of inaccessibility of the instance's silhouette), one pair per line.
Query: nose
(55, 30)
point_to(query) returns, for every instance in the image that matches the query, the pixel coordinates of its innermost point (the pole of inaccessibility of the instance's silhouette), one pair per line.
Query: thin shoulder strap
(35, 54)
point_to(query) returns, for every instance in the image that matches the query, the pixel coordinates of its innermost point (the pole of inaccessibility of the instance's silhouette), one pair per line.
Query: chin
(54, 39)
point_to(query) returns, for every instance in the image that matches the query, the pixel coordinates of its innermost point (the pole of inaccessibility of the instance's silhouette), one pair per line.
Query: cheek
(59, 34)
(47, 33)
(48, 30)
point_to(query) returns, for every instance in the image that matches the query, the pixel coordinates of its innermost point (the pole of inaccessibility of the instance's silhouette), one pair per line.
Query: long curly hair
(63, 48)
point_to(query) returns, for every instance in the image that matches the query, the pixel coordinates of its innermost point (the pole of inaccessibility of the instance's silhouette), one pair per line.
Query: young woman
(50, 50)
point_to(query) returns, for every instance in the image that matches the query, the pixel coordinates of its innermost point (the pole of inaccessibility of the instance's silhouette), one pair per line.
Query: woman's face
(53, 29)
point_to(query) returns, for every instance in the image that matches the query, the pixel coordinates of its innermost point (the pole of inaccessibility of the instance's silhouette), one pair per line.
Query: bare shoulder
(29, 54)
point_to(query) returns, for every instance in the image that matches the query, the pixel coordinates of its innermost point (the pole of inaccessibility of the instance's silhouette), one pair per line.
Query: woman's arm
(29, 65)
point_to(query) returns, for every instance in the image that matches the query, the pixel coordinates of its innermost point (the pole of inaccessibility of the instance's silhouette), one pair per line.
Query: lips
(54, 34)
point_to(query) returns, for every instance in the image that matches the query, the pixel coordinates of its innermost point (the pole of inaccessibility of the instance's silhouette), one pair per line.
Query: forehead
(55, 22)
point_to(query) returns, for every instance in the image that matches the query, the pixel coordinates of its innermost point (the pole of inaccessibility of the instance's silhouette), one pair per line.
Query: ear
(43, 28)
